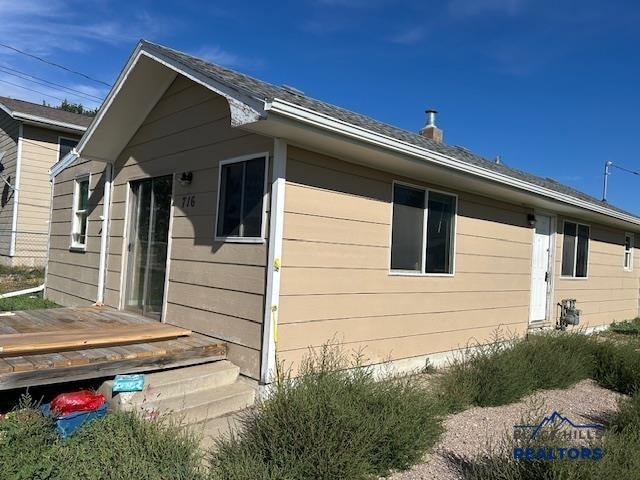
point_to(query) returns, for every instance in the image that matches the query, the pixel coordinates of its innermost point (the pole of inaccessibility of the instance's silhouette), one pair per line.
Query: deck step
(189, 395)
(176, 382)
(203, 405)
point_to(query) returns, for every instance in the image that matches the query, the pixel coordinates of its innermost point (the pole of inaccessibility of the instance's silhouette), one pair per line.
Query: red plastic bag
(80, 401)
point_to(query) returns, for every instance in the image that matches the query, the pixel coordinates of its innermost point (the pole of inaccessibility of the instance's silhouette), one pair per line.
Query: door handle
(546, 276)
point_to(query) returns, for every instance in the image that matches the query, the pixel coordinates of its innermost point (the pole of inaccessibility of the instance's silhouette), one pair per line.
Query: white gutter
(16, 193)
(104, 234)
(47, 122)
(64, 162)
(326, 122)
(272, 296)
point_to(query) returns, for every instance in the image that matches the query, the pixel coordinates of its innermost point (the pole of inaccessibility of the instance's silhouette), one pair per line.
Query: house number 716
(188, 201)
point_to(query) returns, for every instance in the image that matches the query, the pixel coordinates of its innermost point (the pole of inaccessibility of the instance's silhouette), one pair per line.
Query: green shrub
(331, 423)
(626, 327)
(504, 371)
(120, 446)
(616, 365)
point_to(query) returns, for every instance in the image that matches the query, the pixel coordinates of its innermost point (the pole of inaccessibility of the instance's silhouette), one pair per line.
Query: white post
(104, 234)
(16, 192)
(276, 226)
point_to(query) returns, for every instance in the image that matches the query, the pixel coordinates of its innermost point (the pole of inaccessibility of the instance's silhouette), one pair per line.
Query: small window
(575, 250)
(80, 212)
(65, 145)
(422, 231)
(628, 251)
(241, 199)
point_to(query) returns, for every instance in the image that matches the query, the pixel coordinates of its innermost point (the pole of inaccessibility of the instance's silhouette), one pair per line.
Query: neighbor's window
(415, 248)
(628, 251)
(240, 198)
(80, 212)
(575, 250)
(65, 145)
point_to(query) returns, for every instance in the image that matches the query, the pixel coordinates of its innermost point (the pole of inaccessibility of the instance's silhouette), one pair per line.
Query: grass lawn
(25, 302)
(13, 279)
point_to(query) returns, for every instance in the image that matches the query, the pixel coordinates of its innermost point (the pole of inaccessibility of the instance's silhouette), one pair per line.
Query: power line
(54, 64)
(48, 83)
(32, 90)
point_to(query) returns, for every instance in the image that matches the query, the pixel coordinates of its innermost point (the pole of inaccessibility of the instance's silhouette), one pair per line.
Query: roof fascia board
(6, 110)
(42, 121)
(58, 167)
(325, 122)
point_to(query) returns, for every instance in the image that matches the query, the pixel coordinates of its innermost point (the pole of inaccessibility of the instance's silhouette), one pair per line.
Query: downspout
(104, 234)
(272, 297)
(52, 182)
(16, 193)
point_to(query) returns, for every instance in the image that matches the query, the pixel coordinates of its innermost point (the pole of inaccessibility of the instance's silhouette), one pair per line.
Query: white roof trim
(27, 117)
(326, 122)
(64, 162)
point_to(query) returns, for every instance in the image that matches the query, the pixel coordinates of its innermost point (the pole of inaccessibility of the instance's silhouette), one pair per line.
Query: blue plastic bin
(69, 423)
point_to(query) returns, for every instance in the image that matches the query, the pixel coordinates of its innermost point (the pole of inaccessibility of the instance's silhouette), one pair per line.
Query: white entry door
(540, 270)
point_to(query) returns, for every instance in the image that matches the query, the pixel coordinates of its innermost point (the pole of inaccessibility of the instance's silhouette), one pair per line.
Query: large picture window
(422, 231)
(241, 198)
(80, 212)
(575, 250)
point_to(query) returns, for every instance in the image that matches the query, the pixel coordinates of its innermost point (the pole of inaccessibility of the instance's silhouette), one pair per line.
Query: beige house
(32, 138)
(273, 221)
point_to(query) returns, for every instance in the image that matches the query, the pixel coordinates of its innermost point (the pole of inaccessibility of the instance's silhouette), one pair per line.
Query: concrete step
(202, 405)
(174, 383)
(216, 428)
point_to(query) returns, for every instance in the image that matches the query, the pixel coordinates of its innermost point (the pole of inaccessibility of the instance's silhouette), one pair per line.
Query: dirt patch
(468, 433)
(20, 279)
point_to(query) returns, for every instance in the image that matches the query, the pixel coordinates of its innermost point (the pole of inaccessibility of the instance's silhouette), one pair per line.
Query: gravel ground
(468, 433)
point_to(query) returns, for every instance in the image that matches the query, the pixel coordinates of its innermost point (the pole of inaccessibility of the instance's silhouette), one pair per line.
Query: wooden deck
(73, 365)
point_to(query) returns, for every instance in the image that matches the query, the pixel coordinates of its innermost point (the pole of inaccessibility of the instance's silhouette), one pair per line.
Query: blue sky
(551, 87)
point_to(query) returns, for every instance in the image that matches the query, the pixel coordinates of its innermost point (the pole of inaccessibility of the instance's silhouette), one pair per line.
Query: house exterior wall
(72, 276)
(9, 131)
(39, 153)
(215, 288)
(336, 284)
(335, 278)
(609, 292)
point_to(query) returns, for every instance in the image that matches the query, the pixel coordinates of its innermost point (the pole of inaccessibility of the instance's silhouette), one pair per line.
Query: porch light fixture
(186, 178)
(531, 219)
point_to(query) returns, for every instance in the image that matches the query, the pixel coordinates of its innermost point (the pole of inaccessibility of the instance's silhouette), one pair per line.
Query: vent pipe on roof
(430, 130)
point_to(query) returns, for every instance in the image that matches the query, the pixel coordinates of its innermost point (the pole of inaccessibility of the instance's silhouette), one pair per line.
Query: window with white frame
(65, 145)
(80, 212)
(628, 251)
(575, 250)
(422, 231)
(241, 198)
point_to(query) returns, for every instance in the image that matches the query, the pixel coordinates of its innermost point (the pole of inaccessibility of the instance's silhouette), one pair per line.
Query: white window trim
(422, 273)
(575, 251)
(628, 268)
(62, 137)
(263, 227)
(76, 246)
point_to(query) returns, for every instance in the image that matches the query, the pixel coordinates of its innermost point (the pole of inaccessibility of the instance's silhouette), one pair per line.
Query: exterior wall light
(186, 178)
(531, 219)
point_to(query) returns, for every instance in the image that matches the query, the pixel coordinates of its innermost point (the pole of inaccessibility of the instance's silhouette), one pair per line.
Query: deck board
(18, 371)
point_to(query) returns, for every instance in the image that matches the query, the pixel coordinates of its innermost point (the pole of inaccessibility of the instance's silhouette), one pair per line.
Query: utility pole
(607, 171)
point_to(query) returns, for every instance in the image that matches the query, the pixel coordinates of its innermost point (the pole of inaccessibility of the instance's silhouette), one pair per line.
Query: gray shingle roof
(49, 113)
(261, 90)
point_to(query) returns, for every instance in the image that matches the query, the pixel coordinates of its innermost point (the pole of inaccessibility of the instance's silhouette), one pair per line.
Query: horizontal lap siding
(609, 292)
(39, 153)
(335, 268)
(9, 146)
(72, 276)
(214, 288)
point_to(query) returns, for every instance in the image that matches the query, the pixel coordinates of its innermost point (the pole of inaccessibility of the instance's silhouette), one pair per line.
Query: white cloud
(472, 8)
(410, 36)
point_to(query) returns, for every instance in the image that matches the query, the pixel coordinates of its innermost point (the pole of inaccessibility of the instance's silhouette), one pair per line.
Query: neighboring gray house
(32, 138)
